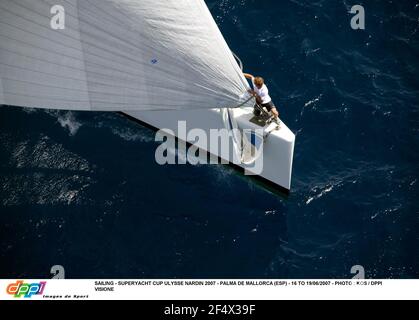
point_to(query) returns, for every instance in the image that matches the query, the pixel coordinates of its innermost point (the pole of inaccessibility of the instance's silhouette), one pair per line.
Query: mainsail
(115, 55)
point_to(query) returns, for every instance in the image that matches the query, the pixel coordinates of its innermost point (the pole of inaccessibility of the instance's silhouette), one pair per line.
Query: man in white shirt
(261, 92)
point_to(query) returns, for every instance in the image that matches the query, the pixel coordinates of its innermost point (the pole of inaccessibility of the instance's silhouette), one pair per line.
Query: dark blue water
(83, 190)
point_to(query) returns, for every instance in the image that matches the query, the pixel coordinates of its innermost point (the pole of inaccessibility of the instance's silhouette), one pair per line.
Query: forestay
(115, 55)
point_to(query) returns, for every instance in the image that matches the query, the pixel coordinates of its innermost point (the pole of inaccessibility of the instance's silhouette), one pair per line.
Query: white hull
(278, 148)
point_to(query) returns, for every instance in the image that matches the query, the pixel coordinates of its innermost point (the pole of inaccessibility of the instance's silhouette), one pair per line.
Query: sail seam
(83, 54)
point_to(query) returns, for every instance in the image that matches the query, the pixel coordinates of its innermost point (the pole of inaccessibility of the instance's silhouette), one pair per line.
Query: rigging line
(238, 60)
(241, 67)
(243, 103)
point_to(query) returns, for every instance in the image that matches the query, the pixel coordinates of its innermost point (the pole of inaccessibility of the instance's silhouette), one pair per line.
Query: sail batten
(116, 55)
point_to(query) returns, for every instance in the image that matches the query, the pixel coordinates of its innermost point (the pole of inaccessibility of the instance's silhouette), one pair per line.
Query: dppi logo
(27, 290)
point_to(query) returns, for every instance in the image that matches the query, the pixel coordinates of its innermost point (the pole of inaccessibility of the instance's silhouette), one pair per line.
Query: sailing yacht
(157, 61)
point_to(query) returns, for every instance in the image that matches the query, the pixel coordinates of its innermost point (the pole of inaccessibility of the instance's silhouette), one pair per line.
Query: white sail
(115, 55)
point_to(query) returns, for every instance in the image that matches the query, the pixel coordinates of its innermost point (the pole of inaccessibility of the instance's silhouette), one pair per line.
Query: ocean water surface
(83, 190)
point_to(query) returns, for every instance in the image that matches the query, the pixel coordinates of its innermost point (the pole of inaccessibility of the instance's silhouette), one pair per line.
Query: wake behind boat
(159, 62)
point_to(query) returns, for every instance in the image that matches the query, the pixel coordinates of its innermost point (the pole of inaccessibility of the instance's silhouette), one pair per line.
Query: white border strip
(169, 289)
